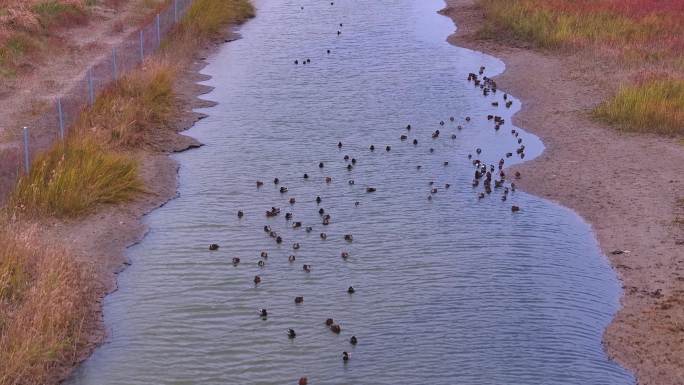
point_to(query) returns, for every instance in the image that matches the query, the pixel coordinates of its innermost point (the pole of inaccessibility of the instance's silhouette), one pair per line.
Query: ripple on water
(452, 290)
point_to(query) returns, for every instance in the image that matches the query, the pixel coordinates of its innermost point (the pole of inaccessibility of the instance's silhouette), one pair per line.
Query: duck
(478, 151)
(515, 209)
(372, 148)
(459, 127)
(432, 150)
(351, 181)
(348, 238)
(296, 61)
(306, 176)
(273, 234)
(261, 264)
(370, 189)
(299, 299)
(288, 216)
(283, 190)
(441, 122)
(291, 258)
(324, 236)
(263, 313)
(339, 144)
(403, 137)
(259, 183)
(481, 196)
(346, 157)
(321, 211)
(279, 239)
(451, 118)
(318, 199)
(344, 255)
(346, 356)
(292, 200)
(276, 180)
(447, 185)
(349, 167)
(419, 167)
(415, 142)
(435, 134)
(353, 160)
(336, 328)
(446, 163)
(296, 246)
(467, 118)
(329, 322)
(328, 179)
(291, 333)
(257, 280)
(296, 225)
(517, 175)
(351, 290)
(213, 247)
(429, 197)
(408, 127)
(453, 136)
(309, 229)
(264, 254)
(353, 340)
(304, 380)
(321, 165)
(433, 191)
(236, 261)
(306, 268)
(357, 203)
(388, 148)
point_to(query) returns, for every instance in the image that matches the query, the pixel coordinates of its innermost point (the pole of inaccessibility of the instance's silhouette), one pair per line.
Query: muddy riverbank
(628, 186)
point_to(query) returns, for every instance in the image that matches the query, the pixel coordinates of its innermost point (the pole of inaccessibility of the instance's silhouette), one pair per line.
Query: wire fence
(40, 133)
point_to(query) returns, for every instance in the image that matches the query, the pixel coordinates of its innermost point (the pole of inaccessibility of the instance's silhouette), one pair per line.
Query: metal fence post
(60, 113)
(114, 63)
(27, 165)
(158, 31)
(91, 88)
(142, 46)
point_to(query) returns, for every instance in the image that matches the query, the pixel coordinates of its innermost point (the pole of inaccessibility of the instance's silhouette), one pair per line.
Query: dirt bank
(629, 187)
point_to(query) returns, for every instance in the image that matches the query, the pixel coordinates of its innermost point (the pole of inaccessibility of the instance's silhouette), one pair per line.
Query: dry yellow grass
(133, 111)
(46, 302)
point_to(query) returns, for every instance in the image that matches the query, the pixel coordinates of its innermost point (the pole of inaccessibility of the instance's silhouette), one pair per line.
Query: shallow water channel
(453, 290)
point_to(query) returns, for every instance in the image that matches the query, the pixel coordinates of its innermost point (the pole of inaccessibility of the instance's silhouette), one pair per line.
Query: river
(452, 290)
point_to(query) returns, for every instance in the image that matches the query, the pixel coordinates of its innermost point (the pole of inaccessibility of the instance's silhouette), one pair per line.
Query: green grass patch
(73, 177)
(656, 106)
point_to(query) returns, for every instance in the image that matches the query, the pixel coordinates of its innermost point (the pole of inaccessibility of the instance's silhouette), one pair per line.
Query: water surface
(455, 290)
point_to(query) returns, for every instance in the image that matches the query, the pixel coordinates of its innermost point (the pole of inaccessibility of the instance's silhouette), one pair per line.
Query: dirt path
(29, 95)
(627, 186)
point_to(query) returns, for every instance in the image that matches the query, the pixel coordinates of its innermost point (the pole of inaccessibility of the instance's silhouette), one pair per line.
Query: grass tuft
(655, 106)
(73, 177)
(46, 301)
(133, 110)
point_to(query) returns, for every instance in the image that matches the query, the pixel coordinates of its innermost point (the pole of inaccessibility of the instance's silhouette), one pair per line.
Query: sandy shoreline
(626, 186)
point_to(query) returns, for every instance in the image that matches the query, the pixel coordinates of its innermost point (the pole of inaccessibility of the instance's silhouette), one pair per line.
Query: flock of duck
(484, 175)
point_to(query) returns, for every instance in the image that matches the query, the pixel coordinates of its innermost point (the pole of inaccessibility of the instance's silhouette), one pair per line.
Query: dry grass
(73, 177)
(204, 20)
(46, 301)
(26, 26)
(133, 111)
(645, 36)
(655, 106)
